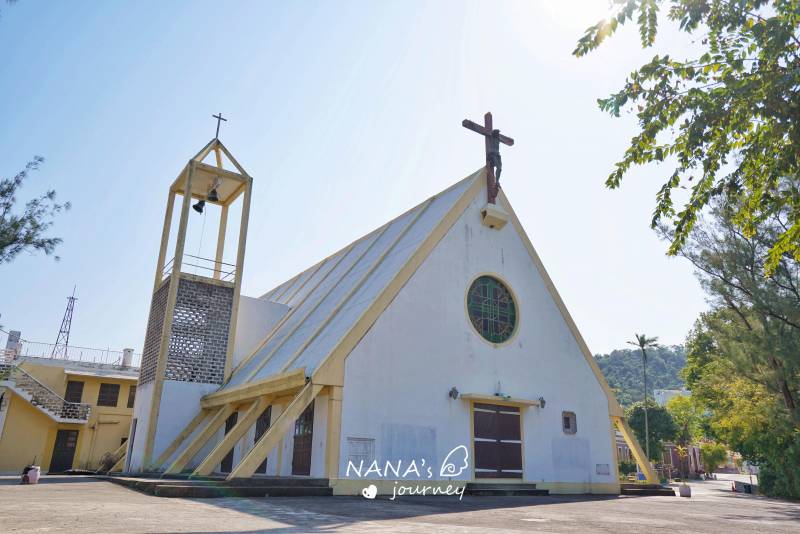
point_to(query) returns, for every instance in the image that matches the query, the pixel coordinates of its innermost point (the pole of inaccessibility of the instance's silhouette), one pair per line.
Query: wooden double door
(497, 440)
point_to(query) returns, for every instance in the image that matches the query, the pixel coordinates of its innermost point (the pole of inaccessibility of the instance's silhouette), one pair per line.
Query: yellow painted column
(334, 431)
(166, 328)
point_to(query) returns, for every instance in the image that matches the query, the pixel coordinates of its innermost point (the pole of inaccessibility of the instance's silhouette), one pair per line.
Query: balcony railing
(202, 267)
(75, 353)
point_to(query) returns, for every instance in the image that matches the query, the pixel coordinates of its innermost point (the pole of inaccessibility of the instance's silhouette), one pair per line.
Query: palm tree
(644, 342)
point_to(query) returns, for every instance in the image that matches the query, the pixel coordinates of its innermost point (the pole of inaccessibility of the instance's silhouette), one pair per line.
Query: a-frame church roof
(332, 304)
(327, 300)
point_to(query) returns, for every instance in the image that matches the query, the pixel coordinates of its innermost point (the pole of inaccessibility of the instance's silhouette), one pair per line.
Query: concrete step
(216, 487)
(633, 485)
(503, 489)
(253, 481)
(210, 492)
(280, 482)
(646, 490)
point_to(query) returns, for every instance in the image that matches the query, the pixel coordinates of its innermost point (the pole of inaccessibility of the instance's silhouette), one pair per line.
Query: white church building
(434, 349)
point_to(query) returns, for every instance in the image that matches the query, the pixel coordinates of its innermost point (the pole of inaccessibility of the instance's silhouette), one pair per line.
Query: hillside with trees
(623, 370)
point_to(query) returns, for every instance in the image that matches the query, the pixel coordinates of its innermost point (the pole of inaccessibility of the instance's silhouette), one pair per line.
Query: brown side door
(64, 451)
(262, 425)
(227, 463)
(498, 441)
(303, 437)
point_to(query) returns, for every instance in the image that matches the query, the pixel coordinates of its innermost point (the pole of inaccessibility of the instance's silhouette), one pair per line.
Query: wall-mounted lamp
(542, 402)
(453, 393)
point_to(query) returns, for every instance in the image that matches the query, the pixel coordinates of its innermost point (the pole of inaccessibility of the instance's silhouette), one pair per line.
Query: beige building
(62, 414)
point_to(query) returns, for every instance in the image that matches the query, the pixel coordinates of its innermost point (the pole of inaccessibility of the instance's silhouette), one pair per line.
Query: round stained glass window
(491, 309)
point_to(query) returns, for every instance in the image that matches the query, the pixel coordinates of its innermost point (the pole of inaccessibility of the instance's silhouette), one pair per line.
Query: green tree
(626, 467)
(25, 230)
(661, 427)
(712, 455)
(688, 419)
(726, 119)
(744, 412)
(759, 318)
(644, 342)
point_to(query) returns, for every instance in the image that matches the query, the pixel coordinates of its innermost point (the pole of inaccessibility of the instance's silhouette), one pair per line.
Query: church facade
(434, 349)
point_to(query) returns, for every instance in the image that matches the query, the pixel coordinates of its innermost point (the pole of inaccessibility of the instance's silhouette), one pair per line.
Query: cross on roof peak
(493, 139)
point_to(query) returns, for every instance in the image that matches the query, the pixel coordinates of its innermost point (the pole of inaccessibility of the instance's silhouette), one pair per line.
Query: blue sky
(346, 114)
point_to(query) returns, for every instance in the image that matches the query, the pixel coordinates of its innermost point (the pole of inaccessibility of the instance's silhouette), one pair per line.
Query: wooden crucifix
(494, 164)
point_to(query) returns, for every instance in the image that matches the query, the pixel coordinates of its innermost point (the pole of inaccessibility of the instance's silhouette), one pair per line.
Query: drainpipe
(93, 428)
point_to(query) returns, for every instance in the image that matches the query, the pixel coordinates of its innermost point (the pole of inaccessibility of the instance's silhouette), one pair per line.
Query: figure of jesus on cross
(494, 164)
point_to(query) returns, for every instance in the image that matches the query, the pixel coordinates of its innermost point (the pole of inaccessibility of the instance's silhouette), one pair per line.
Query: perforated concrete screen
(199, 339)
(152, 340)
(199, 335)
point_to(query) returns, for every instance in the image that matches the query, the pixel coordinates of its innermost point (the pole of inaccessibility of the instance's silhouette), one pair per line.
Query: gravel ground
(80, 504)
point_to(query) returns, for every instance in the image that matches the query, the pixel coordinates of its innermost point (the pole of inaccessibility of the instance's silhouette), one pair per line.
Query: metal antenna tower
(62, 342)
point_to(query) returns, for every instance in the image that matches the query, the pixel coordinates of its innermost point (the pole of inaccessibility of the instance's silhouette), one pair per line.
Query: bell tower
(188, 344)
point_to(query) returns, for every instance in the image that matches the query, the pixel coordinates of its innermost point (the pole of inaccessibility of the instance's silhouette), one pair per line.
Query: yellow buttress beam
(244, 424)
(636, 449)
(276, 431)
(197, 443)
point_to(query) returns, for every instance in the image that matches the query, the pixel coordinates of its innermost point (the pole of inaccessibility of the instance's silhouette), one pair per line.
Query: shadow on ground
(711, 510)
(325, 514)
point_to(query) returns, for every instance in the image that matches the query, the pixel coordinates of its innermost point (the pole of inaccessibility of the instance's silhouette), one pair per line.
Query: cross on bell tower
(219, 119)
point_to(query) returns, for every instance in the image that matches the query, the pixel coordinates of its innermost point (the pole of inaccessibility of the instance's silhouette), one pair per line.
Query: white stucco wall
(180, 402)
(141, 415)
(398, 377)
(255, 319)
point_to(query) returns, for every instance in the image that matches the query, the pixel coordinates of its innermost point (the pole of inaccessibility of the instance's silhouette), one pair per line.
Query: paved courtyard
(78, 504)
